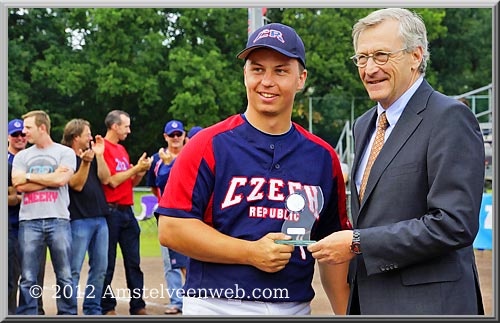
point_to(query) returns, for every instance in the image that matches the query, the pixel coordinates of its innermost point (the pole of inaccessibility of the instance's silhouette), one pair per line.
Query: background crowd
(75, 199)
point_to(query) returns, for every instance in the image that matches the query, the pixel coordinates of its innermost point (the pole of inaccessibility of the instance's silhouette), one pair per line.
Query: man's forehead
(29, 120)
(124, 120)
(260, 54)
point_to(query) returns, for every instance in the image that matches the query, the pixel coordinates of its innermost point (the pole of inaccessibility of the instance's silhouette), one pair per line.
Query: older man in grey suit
(415, 206)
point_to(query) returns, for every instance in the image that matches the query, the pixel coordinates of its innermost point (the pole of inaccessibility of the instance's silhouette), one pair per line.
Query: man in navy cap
(224, 204)
(193, 131)
(16, 142)
(17, 139)
(174, 136)
(163, 161)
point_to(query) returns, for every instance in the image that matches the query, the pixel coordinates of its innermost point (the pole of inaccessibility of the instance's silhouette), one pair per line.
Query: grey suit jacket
(420, 212)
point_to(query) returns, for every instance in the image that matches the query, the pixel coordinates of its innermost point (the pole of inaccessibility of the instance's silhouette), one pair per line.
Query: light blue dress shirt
(393, 113)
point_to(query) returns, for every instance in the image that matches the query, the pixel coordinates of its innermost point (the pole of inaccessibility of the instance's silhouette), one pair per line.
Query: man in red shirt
(123, 227)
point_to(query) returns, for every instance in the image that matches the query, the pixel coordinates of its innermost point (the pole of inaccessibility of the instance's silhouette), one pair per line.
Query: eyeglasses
(380, 57)
(175, 134)
(17, 134)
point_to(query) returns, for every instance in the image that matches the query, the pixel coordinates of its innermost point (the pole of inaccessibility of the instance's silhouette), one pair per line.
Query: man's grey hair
(114, 117)
(411, 30)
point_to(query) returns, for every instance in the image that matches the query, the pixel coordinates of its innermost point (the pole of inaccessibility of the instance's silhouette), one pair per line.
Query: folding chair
(149, 203)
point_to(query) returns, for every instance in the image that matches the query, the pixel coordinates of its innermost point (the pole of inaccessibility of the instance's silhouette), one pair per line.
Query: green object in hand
(295, 242)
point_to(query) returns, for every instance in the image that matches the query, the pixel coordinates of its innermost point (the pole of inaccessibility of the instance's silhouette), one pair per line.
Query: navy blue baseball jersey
(158, 173)
(236, 178)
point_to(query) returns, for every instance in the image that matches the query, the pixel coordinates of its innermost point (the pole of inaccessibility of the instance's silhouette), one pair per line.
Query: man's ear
(302, 80)
(417, 57)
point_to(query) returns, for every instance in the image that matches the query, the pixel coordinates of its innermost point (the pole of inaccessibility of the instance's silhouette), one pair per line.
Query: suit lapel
(405, 127)
(367, 126)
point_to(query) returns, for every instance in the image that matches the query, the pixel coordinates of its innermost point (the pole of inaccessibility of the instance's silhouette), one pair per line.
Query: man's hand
(165, 156)
(268, 255)
(98, 145)
(144, 163)
(333, 249)
(87, 155)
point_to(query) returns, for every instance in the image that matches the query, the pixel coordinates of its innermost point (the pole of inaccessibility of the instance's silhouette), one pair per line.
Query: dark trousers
(124, 230)
(354, 308)
(14, 271)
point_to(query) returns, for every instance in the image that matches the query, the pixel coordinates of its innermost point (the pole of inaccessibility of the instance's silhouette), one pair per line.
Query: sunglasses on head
(17, 134)
(175, 134)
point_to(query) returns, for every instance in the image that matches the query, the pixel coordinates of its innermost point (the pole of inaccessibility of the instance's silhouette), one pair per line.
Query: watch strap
(356, 242)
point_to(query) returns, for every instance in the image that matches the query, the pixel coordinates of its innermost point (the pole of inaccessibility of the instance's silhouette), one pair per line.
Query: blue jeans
(90, 234)
(34, 237)
(173, 277)
(124, 229)
(15, 270)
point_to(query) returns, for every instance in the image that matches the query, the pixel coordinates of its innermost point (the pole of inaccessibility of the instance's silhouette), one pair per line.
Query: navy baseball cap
(16, 125)
(172, 126)
(279, 37)
(194, 131)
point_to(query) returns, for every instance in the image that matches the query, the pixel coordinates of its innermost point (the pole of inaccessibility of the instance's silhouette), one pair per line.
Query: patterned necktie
(376, 147)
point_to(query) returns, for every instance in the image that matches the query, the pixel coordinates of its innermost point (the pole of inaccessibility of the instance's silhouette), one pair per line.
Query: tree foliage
(164, 63)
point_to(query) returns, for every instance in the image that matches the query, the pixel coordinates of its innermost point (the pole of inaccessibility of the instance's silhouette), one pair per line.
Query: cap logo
(175, 125)
(272, 33)
(17, 124)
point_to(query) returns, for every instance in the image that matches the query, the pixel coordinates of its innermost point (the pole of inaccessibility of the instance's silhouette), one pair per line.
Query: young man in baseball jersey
(227, 190)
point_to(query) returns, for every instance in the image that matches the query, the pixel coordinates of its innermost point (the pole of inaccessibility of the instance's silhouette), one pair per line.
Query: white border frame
(6, 4)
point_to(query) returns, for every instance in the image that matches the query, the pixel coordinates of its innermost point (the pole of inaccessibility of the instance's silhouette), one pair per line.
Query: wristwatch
(356, 242)
(28, 177)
